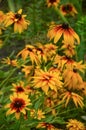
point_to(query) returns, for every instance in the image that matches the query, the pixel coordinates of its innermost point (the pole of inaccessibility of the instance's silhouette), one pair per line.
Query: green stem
(18, 124)
(5, 80)
(61, 15)
(19, 4)
(11, 5)
(34, 18)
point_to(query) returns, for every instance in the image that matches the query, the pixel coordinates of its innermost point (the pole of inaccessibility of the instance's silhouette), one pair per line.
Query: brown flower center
(52, 1)
(74, 70)
(29, 49)
(20, 89)
(18, 16)
(18, 104)
(67, 8)
(65, 26)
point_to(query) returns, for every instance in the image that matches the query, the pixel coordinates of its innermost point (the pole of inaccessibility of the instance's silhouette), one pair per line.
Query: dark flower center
(20, 89)
(65, 26)
(29, 49)
(67, 8)
(75, 70)
(18, 104)
(52, 1)
(18, 16)
(39, 49)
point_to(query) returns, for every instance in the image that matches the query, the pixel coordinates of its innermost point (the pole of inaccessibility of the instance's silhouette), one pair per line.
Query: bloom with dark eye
(69, 35)
(18, 20)
(53, 2)
(68, 9)
(18, 88)
(18, 105)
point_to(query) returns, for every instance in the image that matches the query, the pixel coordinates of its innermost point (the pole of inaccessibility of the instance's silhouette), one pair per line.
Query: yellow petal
(20, 11)
(17, 115)
(58, 35)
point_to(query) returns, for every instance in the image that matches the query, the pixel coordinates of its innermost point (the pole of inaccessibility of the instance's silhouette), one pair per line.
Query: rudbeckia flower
(29, 51)
(53, 3)
(18, 20)
(19, 104)
(77, 99)
(72, 79)
(45, 52)
(10, 62)
(74, 124)
(68, 49)
(18, 87)
(68, 9)
(41, 52)
(64, 30)
(27, 70)
(2, 17)
(63, 62)
(47, 79)
(37, 114)
(40, 114)
(50, 50)
(47, 126)
(80, 66)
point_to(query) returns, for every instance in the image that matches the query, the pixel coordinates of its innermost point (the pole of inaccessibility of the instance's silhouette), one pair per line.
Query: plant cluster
(43, 85)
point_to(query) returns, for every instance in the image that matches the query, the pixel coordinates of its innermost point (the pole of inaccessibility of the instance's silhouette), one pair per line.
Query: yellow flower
(74, 124)
(77, 99)
(64, 29)
(40, 114)
(18, 88)
(68, 63)
(47, 126)
(18, 105)
(63, 62)
(37, 114)
(41, 52)
(18, 20)
(45, 52)
(33, 113)
(68, 9)
(10, 62)
(47, 79)
(2, 17)
(27, 70)
(53, 3)
(30, 51)
(68, 49)
(72, 79)
(50, 50)
(80, 66)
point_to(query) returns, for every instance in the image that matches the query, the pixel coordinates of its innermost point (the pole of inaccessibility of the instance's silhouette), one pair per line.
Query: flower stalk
(61, 15)
(34, 18)
(11, 5)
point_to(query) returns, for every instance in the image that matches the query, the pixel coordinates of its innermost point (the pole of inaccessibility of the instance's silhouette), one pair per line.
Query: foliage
(43, 65)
